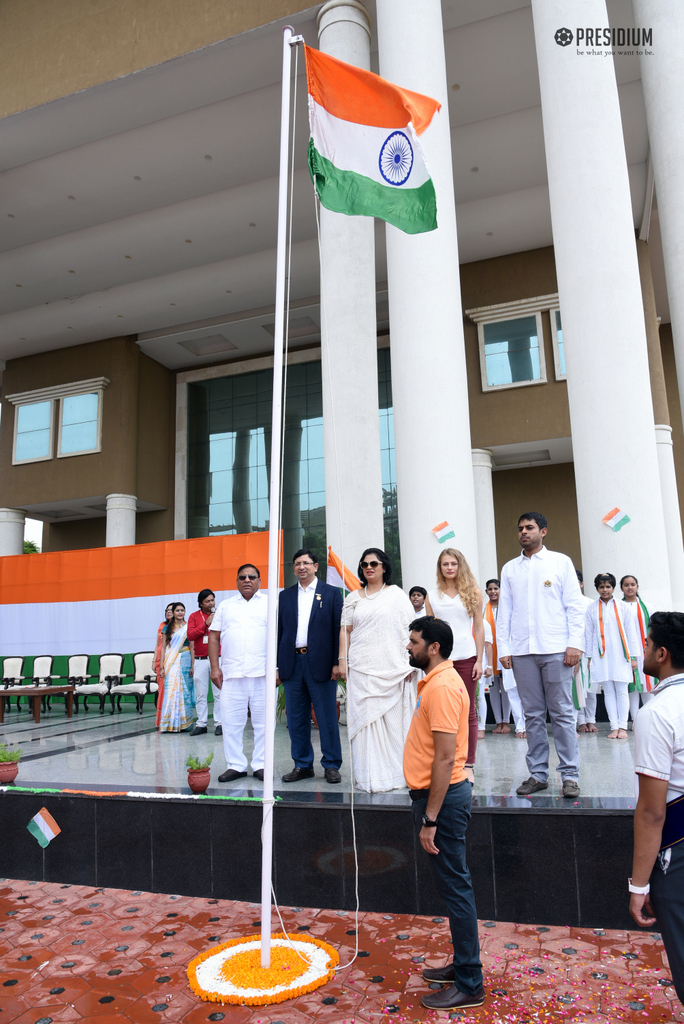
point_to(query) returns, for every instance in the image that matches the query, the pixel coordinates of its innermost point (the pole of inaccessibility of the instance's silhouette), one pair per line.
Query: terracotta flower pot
(199, 779)
(8, 771)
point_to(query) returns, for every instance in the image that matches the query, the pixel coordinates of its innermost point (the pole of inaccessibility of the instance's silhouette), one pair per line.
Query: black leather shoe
(231, 775)
(530, 786)
(258, 773)
(199, 730)
(332, 775)
(452, 999)
(444, 975)
(218, 731)
(299, 773)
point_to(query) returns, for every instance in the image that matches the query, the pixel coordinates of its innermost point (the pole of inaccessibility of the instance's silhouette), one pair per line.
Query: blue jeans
(452, 880)
(301, 691)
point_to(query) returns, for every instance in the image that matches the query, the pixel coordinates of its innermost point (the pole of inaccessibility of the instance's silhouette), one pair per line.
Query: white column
(351, 424)
(121, 510)
(12, 522)
(484, 512)
(429, 382)
(662, 80)
(673, 519)
(604, 336)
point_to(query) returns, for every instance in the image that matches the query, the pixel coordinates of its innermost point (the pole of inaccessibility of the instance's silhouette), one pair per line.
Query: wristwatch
(640, 890)
(427, 823)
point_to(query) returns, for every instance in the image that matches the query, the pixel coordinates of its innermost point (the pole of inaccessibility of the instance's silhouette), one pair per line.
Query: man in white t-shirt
(240, 623)
(540, 633)
(657, 882)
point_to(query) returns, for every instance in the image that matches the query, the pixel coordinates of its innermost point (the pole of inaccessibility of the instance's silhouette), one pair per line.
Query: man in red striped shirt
(198, 633)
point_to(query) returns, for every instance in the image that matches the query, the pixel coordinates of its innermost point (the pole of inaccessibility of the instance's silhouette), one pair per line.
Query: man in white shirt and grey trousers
(540, 632)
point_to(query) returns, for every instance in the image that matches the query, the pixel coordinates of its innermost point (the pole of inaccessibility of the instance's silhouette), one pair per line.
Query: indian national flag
(43, 827)
(339, 575)
(616, 519)
(364, 153)
(443, 532)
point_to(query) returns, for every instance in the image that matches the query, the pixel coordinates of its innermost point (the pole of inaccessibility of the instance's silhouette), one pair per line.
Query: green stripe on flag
(36, 831)
(412, 210)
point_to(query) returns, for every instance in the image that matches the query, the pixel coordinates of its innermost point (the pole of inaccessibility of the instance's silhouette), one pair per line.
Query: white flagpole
(289, 39)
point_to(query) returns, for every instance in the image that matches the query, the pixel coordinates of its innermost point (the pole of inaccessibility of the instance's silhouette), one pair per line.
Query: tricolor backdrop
(103, 600)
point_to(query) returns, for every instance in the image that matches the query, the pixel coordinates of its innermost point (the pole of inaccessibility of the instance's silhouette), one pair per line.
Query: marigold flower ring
(232, 971)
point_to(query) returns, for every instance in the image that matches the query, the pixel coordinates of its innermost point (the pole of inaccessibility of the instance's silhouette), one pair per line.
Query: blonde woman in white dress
(458, 600)
(381, 693)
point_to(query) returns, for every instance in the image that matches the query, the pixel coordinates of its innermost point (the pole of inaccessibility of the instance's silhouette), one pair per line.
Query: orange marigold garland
(232, 972)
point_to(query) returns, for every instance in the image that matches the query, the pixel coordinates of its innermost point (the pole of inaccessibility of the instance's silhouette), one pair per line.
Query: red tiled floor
(120, 974)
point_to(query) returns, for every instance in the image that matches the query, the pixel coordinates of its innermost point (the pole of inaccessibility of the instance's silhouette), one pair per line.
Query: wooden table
(35, 694)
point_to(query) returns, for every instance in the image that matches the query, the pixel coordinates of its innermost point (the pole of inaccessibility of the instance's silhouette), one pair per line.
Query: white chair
(144, 682)
(12, 669)
(77, 674)
(43, 676)
(110, 673)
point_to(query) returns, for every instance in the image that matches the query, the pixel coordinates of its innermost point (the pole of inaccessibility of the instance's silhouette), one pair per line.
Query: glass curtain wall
(229, 448)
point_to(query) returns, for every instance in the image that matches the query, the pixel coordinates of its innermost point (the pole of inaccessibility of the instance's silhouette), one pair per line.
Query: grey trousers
(544, 682)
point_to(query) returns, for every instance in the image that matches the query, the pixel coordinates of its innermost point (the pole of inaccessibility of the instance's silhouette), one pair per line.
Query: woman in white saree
(381, 693)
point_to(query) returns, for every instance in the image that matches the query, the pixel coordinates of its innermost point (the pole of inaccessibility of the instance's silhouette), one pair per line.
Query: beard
(419, 660)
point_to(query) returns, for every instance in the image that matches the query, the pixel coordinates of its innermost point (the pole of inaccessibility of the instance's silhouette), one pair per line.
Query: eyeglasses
(303, 565)
(370, 565)
(246, 577)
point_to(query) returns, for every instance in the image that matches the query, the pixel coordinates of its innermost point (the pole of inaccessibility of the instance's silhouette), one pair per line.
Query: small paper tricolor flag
(43, 827)
(616, 519)
(443, 532)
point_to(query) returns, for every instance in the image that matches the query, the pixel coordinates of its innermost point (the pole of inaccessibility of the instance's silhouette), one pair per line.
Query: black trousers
(667, 899)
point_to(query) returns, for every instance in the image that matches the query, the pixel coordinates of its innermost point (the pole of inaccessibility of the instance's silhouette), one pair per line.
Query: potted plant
(9, 763)
(199, 775)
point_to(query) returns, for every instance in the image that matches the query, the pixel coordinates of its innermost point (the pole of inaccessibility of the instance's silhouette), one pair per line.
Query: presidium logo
(613, 37)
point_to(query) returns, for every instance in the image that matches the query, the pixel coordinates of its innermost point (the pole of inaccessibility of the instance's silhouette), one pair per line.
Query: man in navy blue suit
(308, 645)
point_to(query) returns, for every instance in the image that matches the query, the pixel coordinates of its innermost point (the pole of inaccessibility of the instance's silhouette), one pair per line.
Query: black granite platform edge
(544, 868)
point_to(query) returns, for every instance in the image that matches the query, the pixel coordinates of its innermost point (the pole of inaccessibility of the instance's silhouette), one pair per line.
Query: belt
(421, 794)
(301, 650)
(201, 657)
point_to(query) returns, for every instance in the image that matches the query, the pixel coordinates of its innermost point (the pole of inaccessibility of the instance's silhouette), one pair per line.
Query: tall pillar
(616, 463)
(429, 382)
(484, 513)
(121, 510)
(12, 523)
(662, 80)
(349, 361)
(663, 432)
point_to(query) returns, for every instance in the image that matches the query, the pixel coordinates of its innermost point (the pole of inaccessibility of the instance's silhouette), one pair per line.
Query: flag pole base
(232, 973)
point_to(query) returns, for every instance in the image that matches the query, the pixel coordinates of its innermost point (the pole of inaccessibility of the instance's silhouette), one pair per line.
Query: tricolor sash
(601, 633)
(644, 619)
(491, 619)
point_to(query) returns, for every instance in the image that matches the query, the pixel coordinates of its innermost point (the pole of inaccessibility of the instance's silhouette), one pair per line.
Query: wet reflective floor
(72, 953)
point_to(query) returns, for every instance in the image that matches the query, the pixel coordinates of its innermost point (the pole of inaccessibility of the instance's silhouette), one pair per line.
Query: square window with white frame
(33, 432)
(79, 424)
(512, 352)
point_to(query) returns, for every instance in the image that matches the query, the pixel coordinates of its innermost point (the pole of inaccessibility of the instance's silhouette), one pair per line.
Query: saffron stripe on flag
(43, 827)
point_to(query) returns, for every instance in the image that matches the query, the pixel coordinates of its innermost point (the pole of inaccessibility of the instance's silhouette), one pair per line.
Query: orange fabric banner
(137, 570)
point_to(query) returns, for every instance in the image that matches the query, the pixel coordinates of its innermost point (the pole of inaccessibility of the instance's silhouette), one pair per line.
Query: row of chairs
(108, 683)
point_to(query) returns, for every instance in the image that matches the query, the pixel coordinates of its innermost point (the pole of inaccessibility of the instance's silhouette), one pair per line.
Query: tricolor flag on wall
(339, 575)
(616, 519)
(443, 532)
(43, 827)
(364, 153)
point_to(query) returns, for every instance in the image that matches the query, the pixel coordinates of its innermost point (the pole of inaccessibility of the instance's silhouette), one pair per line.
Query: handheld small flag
(616, 519)
(364, 155)
(43, 827)
(443, 532)
(339, 575)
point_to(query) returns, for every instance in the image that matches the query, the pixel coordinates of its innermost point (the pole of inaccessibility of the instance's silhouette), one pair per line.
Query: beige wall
(546, 489)
(53, 48)
(515, 414)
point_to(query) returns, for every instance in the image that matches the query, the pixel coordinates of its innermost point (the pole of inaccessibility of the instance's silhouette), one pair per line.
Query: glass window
(33, 435)
(558, 350)
(511, 352)
(79, 424)
(389, 476)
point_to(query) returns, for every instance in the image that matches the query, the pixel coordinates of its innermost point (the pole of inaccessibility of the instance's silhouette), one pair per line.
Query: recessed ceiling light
(120, 316)
(11, 216)
(455, 86)
(490, 234)
(19, 286)
(475, 169)
(72, 271)
(188, 239)
(207, 156)
(136, 177)
(128, 257)
(71, 197)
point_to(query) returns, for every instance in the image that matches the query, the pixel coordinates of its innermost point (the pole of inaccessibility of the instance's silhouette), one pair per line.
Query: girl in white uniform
(611, 646)
(635, 606)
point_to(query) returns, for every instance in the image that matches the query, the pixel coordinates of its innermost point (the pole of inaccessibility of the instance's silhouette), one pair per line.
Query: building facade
(523, 356)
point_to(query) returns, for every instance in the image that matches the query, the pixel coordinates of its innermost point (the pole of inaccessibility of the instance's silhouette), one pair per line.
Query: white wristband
(640, 890)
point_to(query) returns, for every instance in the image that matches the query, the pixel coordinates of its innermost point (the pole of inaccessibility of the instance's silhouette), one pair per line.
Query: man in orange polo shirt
(434, 757)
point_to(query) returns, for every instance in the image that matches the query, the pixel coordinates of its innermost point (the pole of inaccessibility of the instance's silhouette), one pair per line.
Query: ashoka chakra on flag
(364, 154)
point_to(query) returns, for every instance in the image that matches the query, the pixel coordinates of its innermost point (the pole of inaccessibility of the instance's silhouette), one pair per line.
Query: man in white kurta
(240, 623)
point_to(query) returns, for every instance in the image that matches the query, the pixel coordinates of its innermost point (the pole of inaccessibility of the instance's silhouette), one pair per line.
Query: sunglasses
(246, 577)
(370, 565)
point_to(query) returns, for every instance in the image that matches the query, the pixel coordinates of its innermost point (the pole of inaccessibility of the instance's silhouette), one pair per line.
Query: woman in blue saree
(178, 705)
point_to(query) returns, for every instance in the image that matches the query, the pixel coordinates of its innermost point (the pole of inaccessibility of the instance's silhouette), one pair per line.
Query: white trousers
(237, 695)
(504, 701)
(587, 714)
(482, 705)
(634, 696)
(617, 703)
(202, 680)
